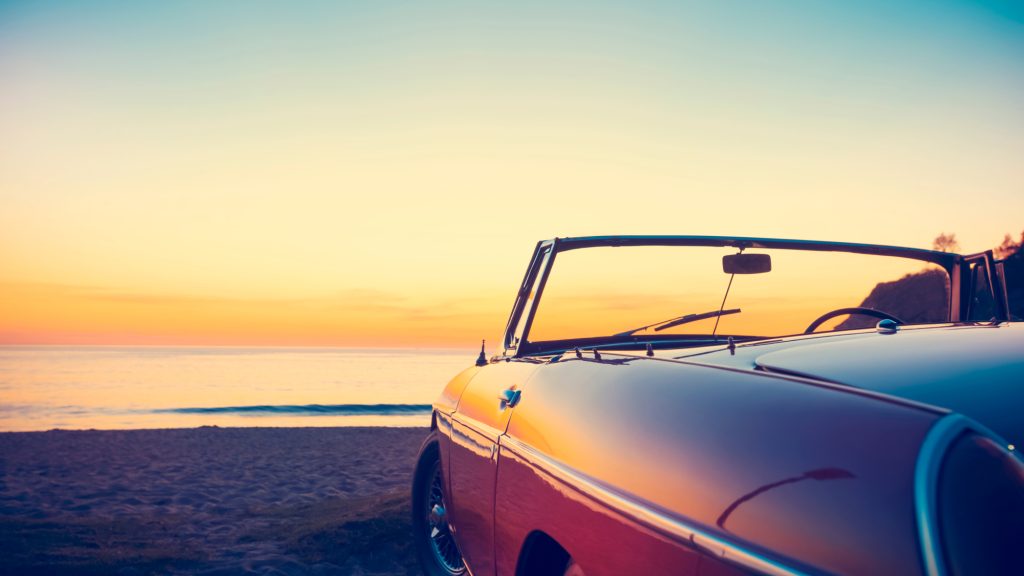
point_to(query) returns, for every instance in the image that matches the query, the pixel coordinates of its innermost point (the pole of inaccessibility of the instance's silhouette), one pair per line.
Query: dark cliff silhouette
(921, 297)
(914, 298)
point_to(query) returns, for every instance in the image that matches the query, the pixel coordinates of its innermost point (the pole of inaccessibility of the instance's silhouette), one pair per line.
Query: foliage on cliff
(921, 297)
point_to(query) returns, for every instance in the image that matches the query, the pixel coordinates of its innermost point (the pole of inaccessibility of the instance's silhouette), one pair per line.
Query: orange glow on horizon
(377, 174)
(49, 314)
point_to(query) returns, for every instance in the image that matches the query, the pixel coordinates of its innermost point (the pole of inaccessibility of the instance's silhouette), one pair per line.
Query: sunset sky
(377, 173)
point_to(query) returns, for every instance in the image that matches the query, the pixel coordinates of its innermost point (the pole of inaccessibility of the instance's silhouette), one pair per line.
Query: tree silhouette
(1008, 246)
(945, 243)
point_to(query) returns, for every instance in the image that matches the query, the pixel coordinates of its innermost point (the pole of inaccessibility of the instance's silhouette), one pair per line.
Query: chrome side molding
(644, 513)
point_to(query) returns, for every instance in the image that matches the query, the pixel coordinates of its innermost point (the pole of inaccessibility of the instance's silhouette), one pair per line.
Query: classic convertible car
(722, 405)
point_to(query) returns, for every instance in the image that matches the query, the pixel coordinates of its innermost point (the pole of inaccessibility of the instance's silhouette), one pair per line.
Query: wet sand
(213, 501)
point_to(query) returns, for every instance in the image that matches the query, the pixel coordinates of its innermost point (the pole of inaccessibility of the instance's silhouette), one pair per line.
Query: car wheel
(435, 544)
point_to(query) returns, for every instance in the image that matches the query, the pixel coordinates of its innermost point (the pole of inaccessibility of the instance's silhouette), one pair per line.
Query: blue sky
(211, 150)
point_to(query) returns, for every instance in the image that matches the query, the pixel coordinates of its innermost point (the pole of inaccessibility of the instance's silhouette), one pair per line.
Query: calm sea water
(101, 387)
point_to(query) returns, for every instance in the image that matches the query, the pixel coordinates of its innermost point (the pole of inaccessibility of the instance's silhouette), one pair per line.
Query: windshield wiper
(666, 324)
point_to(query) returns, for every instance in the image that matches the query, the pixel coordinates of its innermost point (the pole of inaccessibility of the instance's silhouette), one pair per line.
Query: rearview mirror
(747, 263)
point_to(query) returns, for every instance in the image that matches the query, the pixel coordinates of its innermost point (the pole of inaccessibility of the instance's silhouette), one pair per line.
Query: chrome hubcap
(438, 532)
(437, 520)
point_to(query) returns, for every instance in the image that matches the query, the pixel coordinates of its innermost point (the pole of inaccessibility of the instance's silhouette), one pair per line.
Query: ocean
(132, 387)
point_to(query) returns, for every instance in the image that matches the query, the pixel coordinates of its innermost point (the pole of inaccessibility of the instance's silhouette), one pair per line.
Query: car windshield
(653, 292)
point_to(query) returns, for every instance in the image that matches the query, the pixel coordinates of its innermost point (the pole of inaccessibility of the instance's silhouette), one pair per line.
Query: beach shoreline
(208, 500)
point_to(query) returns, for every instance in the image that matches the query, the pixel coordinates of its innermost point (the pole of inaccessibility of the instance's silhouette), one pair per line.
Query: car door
(482, 416)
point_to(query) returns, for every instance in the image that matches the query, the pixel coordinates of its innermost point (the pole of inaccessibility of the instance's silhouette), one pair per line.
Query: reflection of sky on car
(601, 291)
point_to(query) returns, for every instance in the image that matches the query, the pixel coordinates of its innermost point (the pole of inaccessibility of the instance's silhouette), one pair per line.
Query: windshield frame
(516, 339)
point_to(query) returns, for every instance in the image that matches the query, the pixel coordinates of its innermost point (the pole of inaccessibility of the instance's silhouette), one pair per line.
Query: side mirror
(747, 263)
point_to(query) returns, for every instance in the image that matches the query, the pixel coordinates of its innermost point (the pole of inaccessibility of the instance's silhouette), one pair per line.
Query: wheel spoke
(441, 540)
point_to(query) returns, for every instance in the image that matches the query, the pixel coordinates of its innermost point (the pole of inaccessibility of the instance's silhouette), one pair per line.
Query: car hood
(977, 371)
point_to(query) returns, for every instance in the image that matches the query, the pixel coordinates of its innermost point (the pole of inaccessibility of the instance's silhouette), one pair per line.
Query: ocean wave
(307, 410)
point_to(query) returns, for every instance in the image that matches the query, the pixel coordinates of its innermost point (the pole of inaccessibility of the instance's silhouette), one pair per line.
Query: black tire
(437, 551)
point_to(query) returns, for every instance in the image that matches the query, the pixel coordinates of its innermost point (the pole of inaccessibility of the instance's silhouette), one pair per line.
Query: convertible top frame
(959, 268)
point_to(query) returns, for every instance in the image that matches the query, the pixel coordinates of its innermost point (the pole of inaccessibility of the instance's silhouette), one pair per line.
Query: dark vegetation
(921, 297)
(915, 299)
(1012, 254)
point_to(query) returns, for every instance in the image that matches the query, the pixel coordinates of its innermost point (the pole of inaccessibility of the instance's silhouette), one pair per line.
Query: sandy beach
(212, 501)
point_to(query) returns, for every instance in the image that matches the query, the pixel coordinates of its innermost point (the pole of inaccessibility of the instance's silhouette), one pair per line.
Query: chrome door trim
(477, 426)
(644, 513)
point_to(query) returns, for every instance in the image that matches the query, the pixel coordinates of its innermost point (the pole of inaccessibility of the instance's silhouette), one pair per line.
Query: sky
(377, 173)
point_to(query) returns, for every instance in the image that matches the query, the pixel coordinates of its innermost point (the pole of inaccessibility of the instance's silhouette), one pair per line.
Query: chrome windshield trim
(936, 443)
(945, 259)
(645, 514)
(517, 341)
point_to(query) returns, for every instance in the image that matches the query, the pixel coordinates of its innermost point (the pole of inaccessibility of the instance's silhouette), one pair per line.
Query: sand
(212, 501)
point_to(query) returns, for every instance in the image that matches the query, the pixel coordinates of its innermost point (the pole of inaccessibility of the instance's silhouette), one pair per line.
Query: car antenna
(722, 307)
(481, 360)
